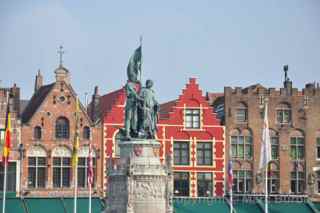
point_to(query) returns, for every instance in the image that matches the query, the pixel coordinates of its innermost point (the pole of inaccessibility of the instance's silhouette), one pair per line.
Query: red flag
(90, 167)
(7, 142)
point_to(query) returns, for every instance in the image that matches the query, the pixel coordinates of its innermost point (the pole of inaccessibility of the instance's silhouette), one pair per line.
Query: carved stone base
(138, 183)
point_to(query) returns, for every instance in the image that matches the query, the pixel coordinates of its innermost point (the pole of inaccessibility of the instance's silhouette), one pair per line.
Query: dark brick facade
(304, 122)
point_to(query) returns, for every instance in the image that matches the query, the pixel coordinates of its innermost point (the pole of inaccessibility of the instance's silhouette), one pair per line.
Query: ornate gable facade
(172, 129)
(48, 131)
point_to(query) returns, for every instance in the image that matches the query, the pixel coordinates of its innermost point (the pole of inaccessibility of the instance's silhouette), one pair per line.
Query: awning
(51, 205)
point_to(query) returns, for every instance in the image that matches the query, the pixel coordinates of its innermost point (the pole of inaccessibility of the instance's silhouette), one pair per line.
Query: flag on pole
(90, 167)
(7, 137)
(265, 153)
(76, 137)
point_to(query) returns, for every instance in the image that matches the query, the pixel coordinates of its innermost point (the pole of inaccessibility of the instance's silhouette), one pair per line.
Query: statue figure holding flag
(141, 106)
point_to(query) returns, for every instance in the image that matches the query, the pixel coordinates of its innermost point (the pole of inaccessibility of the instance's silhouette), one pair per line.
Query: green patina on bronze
(141, 106)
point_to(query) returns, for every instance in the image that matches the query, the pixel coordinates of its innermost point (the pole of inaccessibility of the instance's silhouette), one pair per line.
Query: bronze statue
(149, 107)
(141, 106)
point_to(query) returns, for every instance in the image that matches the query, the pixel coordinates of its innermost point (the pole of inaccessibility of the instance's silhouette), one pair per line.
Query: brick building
(187, 129)
(48, 131)
(11, 96)
(294, 122)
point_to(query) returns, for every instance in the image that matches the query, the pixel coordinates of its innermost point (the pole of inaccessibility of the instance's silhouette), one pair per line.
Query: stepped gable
(192, 97)
(38, 97)
(112, 105)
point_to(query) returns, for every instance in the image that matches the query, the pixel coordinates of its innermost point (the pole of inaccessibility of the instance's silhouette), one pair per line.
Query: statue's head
(149, 83)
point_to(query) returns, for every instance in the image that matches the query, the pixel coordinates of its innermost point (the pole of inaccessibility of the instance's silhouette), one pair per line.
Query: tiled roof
(165, 108)
(23, 105)
(212, 96)
(36, 100)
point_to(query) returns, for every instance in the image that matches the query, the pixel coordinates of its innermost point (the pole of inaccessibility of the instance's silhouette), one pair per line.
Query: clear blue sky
(222, 43)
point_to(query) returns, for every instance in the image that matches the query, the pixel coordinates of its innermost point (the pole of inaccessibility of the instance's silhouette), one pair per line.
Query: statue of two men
(141, 106)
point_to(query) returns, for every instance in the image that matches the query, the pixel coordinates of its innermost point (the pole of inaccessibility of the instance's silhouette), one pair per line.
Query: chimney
(38, 82)
(95, 104)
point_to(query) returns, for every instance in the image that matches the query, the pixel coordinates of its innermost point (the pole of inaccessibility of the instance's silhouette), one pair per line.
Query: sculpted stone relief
(149, 190)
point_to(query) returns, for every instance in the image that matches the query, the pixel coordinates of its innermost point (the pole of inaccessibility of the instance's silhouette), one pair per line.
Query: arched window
(241, 144)
(61, 167)
(298, 178)
(37, 167)
(242, 178)
(83, 166)
(62, 128)
(273, 178)
(86, 133)
(297, 145)
(284, 113)
(274, 136)
(242, 113)
(37, 133)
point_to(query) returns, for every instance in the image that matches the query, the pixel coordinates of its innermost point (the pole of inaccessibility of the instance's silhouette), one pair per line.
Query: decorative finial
(285, 69)
(61, 52)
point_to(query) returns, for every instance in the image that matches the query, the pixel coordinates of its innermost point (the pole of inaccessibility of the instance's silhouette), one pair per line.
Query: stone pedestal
(138, 182)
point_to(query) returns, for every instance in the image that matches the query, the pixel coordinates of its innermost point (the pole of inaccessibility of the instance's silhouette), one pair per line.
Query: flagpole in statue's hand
(140, 66)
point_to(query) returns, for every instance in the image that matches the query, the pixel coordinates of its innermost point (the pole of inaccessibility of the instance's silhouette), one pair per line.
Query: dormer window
(192, 118)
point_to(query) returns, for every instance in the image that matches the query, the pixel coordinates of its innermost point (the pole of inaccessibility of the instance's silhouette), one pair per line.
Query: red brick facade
(48, 104)
(171, 129)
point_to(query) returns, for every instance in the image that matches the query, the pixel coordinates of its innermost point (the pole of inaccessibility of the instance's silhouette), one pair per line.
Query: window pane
(41, 177)
(66, 177)
(181, 184)
(32, 177)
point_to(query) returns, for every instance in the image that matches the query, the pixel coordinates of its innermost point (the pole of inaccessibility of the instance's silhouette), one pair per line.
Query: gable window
(62, 128)
(204, 184)
(204, 153)
(242, 113)
(284, 114)
(37, 133)
(192, 118)
(86, 133)
(181, 183)
(181, 153)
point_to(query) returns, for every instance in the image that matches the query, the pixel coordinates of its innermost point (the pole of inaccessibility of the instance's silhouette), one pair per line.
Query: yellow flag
(76, 136)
